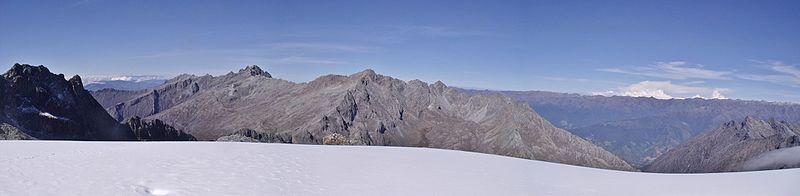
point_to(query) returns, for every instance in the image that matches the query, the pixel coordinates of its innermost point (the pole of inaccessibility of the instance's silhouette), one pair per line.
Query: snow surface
(51, 116)
(219, 168)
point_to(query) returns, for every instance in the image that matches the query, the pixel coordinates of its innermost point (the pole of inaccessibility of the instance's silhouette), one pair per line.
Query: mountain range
(364, 108)
(729, 146)
(640, 129)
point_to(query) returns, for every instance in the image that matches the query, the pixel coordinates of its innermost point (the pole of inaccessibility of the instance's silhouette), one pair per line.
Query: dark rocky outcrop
(44, 105)
(37, 104)
(156, 130)
(725, 148)
(249, 135)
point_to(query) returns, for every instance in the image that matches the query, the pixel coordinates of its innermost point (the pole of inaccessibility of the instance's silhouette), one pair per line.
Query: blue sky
(733, 49)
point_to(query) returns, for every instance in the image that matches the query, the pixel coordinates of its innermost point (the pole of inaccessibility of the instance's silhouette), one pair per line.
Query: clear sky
(733, 49)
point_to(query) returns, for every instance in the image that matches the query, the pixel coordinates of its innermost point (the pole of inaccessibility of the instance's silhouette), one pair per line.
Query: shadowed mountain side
(44, 105)
(37, 104)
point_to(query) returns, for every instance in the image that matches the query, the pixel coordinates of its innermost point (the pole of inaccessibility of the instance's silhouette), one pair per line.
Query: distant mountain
(640, 129)
(783, 158)
(37, 104)
(728, 147)
(128, 83)
(361, 109)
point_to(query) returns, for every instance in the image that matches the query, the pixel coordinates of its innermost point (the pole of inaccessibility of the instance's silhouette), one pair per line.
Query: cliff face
(44, 105)
(727, 147)
(156, 130)
(37, 104)
(361, 109)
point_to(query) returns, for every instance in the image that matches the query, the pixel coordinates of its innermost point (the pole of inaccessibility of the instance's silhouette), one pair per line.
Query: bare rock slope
(365, 108)
(727, 147)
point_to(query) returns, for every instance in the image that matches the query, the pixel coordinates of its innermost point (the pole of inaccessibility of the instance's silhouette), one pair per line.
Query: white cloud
(677, 70)
(666, 90)
(783, 74)
(90, 79)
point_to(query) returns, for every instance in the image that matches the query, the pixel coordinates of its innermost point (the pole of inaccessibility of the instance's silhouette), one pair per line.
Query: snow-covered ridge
(216, 168)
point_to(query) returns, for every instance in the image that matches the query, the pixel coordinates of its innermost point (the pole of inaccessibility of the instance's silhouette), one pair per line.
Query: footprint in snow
(151, 191)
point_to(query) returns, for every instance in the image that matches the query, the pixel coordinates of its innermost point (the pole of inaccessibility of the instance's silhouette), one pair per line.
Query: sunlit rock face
(365, 108)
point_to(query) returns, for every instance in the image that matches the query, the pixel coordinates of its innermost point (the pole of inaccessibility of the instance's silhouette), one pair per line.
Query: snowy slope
(208, 168)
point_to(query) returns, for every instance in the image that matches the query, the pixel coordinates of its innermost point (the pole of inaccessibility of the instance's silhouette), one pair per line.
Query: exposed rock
(249, 135)
(156, 130)
(728, 146)
(366, 108)
(8, 132)
(237, 138)
(334, 139)
(44, 105)
(254, 70)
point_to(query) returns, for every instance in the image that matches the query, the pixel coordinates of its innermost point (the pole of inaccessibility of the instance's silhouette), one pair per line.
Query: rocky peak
(47, 106)
(76, 82)
(752, 127)
(748, 120)
(26, 70)
(438, 87)
(254, 70)
(367, 73)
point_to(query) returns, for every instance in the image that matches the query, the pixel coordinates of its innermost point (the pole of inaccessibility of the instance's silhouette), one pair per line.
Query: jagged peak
(750, 122)
(438, 87)
(367, 73)
(254, 70)
(439, 84)
(750, 119)
(26, 69)
(76, 82)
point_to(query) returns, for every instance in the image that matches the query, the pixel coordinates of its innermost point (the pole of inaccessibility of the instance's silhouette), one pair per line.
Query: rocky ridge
(725, 148)
(640, 129)
(365, 108)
